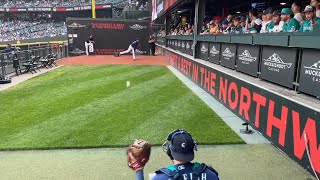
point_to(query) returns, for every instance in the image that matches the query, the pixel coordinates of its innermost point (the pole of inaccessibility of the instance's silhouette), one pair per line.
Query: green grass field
(90, 106)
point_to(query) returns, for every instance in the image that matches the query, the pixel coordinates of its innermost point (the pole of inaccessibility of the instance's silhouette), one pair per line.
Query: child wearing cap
(311, 19)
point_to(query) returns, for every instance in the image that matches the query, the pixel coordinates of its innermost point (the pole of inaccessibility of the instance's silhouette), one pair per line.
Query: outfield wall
(110, 35)
(280, 119)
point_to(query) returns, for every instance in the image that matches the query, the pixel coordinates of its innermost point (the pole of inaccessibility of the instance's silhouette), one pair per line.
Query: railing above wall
(181, 37)
(298, 39)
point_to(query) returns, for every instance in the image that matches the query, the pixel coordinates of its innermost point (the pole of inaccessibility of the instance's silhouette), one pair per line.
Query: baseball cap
(211, 22)
(267, 11)
(287, 11)
(225, 22)
(309, 9)
(277, 12)
(182, 147)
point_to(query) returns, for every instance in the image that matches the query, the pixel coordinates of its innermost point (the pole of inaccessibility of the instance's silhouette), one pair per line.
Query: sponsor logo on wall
(204, 49)
(275, 63)
(246, 57)
(313, 71)
(138, 51)
(179, 44)
(77, 51)
(183, 45)
(137, 27)
(227, 54)
(187, 45)
(214, 51)
(76, 25)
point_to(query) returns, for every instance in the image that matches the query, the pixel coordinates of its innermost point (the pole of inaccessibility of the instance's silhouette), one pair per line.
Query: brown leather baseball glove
(138, 154)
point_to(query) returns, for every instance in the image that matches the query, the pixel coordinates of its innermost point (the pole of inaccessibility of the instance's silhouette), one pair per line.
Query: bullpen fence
(10, 61)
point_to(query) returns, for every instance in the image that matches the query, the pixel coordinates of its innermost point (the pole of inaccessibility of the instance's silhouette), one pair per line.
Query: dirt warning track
(109, 59)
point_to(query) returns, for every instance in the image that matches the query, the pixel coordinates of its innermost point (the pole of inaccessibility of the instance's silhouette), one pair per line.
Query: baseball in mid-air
(128, 83)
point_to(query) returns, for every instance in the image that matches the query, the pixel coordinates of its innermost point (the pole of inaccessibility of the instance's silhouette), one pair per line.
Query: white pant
(130, 49)
(89, 47)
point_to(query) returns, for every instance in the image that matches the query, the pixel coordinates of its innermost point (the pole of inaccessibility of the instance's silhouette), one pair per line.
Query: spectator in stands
(236, 29)
(296, 8)
(316, 4)
(212, 27)
(208, 28)
(229, 18)
(217, 28)
(226, 28)
(267, 24)
(189, 29)
(278, 24)
(290, 23)
(311, 19)
(256, 23)
(243, 24)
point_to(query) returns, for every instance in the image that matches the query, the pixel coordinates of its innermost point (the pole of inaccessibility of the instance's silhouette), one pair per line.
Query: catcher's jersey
(186, 170)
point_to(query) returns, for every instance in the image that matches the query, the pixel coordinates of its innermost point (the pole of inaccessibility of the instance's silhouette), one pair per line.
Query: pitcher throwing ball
(132, 48)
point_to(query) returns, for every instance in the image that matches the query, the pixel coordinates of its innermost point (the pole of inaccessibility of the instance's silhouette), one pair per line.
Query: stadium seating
(20, 30)
(47, 3)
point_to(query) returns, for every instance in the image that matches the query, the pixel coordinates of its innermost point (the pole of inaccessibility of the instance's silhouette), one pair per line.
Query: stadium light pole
(93, 8)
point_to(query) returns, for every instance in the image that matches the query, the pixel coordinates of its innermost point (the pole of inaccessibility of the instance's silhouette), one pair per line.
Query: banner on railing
(214, 53)
(247, 59)
(204, 51)
(278, 65)
(228, 55)
(309, 81)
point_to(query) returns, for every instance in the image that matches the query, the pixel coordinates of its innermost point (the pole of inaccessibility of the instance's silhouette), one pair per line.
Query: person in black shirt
(152, 44)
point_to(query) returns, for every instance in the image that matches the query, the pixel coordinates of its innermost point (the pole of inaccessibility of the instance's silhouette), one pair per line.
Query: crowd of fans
(294, 19)
(29, 27)
(48, 3)
(20, 30)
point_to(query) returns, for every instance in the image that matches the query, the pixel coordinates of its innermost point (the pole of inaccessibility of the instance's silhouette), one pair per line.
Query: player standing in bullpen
(132, 48)
(87, 43)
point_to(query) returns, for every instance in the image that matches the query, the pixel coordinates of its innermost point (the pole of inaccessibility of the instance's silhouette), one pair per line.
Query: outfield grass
(90, 106)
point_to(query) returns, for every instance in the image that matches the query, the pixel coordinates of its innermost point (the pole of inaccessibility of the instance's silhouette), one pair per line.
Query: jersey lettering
(189, 176)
